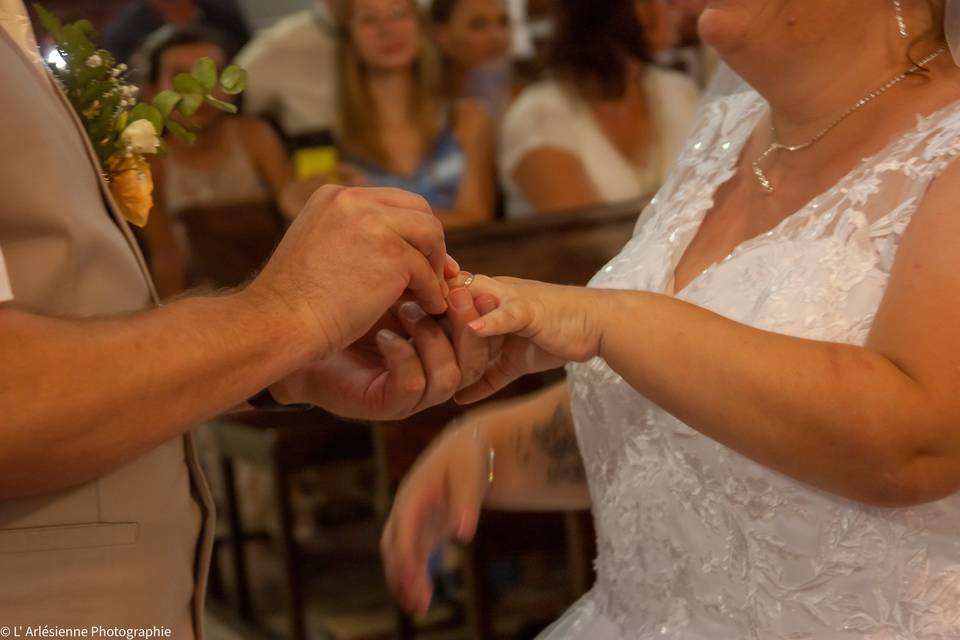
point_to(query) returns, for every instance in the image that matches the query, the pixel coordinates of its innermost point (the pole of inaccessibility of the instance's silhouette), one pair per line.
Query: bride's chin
(724, 26)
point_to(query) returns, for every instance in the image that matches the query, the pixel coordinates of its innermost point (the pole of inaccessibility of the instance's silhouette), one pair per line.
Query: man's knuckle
(414, 383)
(448, 379)
(390, 247)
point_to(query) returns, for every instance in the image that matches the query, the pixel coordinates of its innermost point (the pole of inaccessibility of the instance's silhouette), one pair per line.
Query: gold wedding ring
(469, 281)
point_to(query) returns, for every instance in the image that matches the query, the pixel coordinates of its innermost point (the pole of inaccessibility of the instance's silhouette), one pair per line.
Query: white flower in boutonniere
(121, 130)
(140, 137)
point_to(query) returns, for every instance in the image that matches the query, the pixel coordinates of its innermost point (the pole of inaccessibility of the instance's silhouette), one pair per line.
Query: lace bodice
(696, 541)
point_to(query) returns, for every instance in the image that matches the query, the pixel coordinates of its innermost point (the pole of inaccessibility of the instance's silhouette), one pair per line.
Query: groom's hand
(406, 363)
(349, 256)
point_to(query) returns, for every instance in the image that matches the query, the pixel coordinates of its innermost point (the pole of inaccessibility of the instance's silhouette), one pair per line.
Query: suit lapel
(49, 84)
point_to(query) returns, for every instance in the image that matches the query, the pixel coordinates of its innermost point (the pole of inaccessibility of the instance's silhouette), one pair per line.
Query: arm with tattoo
(538, 464)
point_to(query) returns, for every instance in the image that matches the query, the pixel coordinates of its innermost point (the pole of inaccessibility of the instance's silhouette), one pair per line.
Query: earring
(901, 23)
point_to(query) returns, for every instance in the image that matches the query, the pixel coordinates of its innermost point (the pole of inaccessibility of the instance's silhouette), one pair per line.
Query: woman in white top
(606, 126)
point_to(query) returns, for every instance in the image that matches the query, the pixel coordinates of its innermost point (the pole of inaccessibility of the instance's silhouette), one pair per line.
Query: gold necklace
(776, 145)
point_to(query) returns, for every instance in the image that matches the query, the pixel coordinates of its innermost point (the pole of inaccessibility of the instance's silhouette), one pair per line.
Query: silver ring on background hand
(469, 281)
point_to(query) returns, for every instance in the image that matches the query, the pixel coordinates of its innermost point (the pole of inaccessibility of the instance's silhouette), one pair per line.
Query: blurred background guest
(139, 18)
(604, 125)
(474, 37)
(661, 24)
(218, 194)
(689, 55)
(293, 75)
(395, 127)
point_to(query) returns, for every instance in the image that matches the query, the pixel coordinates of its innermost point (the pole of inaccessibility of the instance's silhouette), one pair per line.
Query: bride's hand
(543, 327)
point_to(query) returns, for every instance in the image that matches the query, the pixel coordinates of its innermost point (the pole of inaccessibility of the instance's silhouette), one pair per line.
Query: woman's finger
(472, 352)
(415, 522)
(468, 488)
(496, 377)
(399, 561)
(511, 317)
(485, 304)
(436, 353)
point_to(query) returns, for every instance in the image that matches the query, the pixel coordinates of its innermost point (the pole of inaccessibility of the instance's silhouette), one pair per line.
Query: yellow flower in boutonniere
(131, 184)
(121, 130)
(129, 175)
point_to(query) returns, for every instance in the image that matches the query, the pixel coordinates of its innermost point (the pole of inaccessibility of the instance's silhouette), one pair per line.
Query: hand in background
(440, 499)
(347, 259)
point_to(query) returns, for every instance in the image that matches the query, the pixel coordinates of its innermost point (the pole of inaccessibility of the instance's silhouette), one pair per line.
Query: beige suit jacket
(130, 549)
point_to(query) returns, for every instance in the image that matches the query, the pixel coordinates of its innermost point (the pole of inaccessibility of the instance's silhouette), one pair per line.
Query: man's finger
(405, 383)
(436, 353)
(424, 232)
(424, 284)
(399, 198)
(452, 267)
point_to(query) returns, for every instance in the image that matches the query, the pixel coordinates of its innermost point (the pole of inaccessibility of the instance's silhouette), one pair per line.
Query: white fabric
(15, 21)
(6, 293)
(696, 542)
(549, 115)
(951, 28)
(292, 69)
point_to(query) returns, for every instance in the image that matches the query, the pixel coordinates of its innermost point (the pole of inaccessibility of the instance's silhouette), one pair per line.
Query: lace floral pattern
(696, 541)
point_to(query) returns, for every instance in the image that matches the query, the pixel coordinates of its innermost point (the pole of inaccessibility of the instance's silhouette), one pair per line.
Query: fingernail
(465, 530)
(454, 265)
(477, 325)
(412, 312)
(386, 335)
(461, 299)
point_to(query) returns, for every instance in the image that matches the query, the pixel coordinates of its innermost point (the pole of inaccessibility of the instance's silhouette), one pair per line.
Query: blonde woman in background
(395, 129)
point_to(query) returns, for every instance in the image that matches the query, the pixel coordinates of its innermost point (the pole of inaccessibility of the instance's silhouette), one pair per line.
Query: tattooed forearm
(556, 441)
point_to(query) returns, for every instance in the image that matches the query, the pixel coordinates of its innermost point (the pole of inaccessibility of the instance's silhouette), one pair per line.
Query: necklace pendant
(762, 178)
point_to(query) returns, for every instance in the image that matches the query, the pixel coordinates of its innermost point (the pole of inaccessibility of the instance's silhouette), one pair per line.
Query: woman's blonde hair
(359, 127)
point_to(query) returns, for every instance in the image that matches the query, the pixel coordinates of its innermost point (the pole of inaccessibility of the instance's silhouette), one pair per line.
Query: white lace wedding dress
(695, 541)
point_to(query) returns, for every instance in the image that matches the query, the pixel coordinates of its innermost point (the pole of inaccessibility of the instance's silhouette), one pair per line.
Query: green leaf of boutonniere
(220, 104)
(186, 83)
(76, 44)
(233, 80)
(178, 130)
(166, 102)
(86, 28)
(205, 72)
(190, 103)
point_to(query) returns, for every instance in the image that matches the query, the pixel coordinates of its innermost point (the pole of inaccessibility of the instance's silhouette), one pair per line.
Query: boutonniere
(122, 130)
